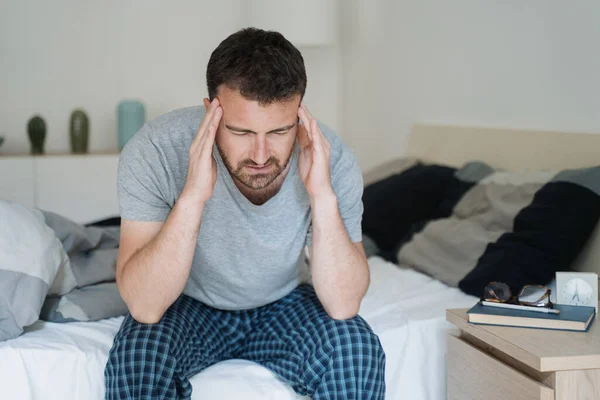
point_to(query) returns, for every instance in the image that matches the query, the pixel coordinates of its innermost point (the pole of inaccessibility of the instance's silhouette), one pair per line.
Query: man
(217, 205)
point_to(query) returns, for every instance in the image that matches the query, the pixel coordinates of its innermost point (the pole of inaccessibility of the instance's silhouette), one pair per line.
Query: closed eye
(243, 132)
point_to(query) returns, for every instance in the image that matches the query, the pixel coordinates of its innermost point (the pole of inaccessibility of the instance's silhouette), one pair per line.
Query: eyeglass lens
(498, 290)
(532, 294)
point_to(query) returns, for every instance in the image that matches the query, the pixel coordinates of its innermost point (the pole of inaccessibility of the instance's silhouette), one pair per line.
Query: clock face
(577, 292)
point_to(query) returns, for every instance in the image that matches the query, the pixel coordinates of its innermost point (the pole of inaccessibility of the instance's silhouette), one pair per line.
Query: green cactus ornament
(79, 131)
(36, 128)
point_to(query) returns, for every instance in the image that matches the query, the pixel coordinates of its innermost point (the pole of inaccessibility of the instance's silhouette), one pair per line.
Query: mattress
(404, 307)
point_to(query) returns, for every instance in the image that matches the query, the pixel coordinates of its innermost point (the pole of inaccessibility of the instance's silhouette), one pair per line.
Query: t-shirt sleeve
(347, 183)
(142, 180)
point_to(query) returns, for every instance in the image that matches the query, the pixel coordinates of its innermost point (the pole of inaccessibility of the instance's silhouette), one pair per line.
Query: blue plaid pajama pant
(293, 337)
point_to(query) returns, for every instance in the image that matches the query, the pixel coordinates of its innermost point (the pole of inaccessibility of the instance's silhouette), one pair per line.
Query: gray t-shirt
(246, 255)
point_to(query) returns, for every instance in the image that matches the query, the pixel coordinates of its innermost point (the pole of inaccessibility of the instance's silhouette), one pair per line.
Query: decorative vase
(36, 128)
(131, 117)
(79, 131)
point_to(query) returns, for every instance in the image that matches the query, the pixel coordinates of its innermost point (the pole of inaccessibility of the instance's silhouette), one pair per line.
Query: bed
(405, 307)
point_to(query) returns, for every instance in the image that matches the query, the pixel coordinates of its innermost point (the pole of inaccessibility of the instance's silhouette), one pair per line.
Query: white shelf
(82, 187)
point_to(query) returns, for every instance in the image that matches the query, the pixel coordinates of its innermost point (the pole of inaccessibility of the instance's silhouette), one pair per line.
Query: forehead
(250, 114)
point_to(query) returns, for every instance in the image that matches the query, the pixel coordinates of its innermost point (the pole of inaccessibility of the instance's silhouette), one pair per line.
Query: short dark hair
(263, 65)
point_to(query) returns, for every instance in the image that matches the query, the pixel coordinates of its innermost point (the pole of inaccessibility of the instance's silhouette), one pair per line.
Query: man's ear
(206, 102)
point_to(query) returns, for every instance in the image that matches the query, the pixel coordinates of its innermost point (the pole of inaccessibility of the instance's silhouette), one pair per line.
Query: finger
(209, 137)
(322, 139)
(321, 143)
(207, 147)
(217, 115)
(317, 136)
(305, 121)
(213, 118)
(207, 117)
(200, 137)
(315, 130)
(312, 118)
(303, 139)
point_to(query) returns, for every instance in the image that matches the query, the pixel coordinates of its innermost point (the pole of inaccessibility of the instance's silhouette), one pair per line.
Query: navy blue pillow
(110, 221)
(395, 206)
(546, 238)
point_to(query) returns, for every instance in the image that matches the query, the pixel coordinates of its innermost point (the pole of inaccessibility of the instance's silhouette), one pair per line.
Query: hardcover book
(571, 318)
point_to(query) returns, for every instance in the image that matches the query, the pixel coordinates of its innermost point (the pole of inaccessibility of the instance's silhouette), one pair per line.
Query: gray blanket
(54, 269)
(89, 290)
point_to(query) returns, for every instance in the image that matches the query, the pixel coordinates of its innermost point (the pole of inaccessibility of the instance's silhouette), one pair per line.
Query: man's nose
(260, 152)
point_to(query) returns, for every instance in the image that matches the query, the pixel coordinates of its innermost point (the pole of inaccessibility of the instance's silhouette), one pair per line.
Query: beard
(255, 181)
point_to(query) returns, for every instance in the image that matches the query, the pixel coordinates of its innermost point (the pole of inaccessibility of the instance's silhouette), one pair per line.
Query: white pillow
(30, 257)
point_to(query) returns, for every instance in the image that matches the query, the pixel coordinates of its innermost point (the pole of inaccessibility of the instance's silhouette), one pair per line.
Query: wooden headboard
(509, 149)
(512, 150)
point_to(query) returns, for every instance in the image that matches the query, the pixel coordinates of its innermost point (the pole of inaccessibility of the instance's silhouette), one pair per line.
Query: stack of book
(569, 318)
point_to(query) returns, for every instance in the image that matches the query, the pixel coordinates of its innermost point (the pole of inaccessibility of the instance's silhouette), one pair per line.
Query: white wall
(62, 54)
(510, 63)
(520, 63)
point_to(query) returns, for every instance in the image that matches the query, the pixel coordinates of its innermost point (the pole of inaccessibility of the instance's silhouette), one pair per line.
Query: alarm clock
(577, 289)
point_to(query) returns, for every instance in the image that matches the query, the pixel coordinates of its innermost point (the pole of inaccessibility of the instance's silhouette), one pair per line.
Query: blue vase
(131, 117)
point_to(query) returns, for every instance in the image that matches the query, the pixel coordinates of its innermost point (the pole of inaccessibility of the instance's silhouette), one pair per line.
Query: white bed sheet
(404, 307)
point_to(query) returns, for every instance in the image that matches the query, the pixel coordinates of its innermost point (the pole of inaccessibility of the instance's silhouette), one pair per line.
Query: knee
(143, 340)
(141, 363)
(354, 338)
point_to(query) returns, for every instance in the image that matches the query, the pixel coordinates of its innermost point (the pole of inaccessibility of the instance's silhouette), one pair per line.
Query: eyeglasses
(530, 295)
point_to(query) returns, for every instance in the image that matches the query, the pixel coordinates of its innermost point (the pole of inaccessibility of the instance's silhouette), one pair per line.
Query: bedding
(472, 225)
(405, 308)
(516, 227)
(393, 205)
(89, 290)
(547, 233)
(402, 202)
(54, 269)
(30, 258)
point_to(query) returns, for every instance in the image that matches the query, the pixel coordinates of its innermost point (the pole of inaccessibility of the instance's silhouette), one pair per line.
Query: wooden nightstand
(496, 362)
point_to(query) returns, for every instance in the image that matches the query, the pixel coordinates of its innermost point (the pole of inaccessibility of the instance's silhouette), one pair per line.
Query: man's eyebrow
(242, 130)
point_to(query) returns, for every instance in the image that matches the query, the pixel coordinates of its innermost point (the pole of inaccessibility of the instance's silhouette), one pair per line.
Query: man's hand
(202, 168)
(340, 272)
(313, 161)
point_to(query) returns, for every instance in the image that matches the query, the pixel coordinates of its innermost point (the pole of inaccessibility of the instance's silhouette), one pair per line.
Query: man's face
(255, 142)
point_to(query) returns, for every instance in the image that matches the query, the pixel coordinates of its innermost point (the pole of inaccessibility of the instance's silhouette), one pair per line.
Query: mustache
(249, 162)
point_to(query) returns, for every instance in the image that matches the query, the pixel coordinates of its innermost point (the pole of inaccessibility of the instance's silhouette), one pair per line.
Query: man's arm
(340, 272)
(155, 259)
(339, 267)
